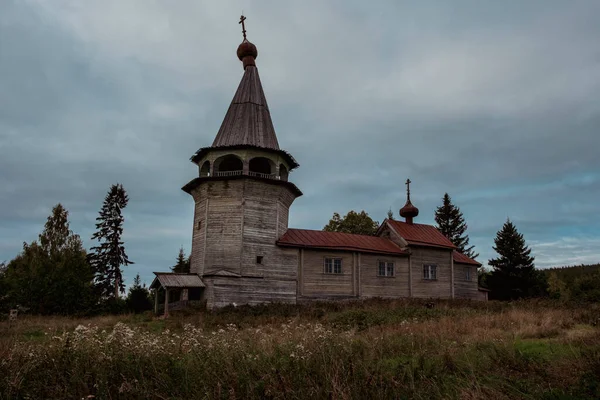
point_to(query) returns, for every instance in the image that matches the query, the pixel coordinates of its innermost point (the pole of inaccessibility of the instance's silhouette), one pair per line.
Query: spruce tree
(390, 214)
(138, 299)
(514, 275)
(451, 223)
(183, 263)
(109, 255)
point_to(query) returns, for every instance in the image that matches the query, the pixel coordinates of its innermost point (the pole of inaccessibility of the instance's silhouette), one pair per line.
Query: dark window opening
(261, 165)
(283, 173)
(259, 259)
(199, 224)
(205, 169)
(230, 163)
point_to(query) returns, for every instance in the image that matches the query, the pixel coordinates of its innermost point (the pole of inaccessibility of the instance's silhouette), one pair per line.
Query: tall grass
(371, 349)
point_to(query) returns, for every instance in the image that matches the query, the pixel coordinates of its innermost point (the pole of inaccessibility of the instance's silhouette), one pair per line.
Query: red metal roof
(339, 241)
(461, 258)
(421, 235)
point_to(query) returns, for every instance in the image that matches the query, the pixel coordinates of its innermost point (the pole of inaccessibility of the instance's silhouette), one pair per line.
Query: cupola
(408, 211)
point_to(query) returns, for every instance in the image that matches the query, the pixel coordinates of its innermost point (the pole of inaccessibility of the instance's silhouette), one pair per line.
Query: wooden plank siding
(373, 285)
(441, 287)
(316, 283)
(253, 291)
(234, 223)
(463, 288)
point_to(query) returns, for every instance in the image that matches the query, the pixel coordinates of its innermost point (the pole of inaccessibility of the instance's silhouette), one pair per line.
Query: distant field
(358, 350)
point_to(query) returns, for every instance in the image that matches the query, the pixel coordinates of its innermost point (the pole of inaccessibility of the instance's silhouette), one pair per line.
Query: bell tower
(242, 198)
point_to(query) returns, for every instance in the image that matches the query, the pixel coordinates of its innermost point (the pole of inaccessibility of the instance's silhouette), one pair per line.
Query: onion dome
(247, 53)
(408, 211)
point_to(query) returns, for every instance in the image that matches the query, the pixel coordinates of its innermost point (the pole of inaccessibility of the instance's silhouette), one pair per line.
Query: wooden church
(244, 253)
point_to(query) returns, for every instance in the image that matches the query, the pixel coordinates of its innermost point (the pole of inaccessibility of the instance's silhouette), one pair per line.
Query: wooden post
(358, 276)
(184, 294)
(155, 308)
(452, 272)
(166, 314)
(410, 285)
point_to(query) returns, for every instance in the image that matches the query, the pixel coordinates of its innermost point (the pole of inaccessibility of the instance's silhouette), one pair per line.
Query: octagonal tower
(242, 198)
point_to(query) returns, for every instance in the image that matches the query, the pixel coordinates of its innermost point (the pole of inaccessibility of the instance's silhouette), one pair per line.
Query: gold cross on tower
(242, 19)
(408, 182)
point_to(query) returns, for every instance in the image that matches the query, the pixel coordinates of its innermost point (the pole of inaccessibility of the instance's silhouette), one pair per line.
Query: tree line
(512, 274)
(56, 275)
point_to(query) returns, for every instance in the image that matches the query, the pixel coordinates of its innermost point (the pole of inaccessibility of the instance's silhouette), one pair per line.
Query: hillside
(570, 273)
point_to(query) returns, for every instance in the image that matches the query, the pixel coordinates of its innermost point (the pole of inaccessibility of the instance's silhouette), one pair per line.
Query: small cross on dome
(242, 19)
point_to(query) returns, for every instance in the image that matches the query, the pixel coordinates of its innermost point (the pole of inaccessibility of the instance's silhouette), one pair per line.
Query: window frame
(468, 275)
(386, 265)
(427, 276)
(331, 269)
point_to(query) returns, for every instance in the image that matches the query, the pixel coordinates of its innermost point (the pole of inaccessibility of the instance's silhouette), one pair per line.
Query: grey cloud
(494, 103)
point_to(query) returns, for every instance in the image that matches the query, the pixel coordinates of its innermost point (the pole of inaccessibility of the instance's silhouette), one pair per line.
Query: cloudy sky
(496, 103)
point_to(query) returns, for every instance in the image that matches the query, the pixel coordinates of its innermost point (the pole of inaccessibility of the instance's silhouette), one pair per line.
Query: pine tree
(183, 263)
(514, 275)
(451, 223)
(109, 255)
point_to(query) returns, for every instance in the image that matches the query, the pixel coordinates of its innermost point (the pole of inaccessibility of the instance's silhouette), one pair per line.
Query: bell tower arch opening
(283, 173)
(261, 166)
(229, 165)
(205, 169)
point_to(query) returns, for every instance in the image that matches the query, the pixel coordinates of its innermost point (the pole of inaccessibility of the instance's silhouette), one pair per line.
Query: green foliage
(514, 275)
(138, 299)
(557, 288)
(108, 257)
(587, 288)
(353, 222)
(576, 283)
(482, 277)
(451, 223)
(53, 276)
(183, 263)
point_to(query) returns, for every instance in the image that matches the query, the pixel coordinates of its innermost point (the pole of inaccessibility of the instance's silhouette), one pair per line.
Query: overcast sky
(495, 102)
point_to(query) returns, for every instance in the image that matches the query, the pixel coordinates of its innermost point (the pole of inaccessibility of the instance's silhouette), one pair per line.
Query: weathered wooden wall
(234, 222)
(442, 286)
(224, 291)
(316, 283)
(372, 285)
(464, 289)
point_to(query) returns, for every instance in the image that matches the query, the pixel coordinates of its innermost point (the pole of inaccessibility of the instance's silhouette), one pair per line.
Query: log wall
(442, 286)
(234, 223)
(372, 285)
(463, 288)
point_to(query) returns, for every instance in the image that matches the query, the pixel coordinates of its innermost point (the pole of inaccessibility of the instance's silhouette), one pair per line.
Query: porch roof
(176, 280)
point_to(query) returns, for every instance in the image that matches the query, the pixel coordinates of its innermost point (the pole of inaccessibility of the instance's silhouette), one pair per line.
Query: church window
(333, 265)
(467, 273)
(199, 224)
(385, 268)
(259, 259)
(430, 272)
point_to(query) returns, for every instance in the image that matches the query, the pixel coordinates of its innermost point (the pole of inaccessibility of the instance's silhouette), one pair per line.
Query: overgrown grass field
(358, 350)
